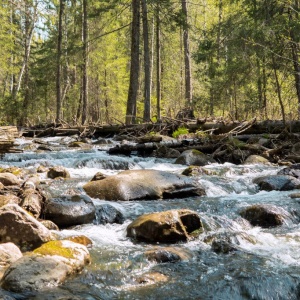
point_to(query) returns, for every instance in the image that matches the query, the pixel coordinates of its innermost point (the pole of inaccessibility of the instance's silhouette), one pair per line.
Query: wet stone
(107, 213)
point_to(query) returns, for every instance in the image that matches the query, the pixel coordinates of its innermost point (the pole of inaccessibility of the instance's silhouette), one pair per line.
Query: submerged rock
(195, 171)
(70, 210)
(277, 183)
(80, 239)
(19, 227)
(168, 254)
(194, 157)
(107, 213)
(47, 267)
(143, 184)
(58, 171)
(266, 215)
(167, 227)
(151, 278)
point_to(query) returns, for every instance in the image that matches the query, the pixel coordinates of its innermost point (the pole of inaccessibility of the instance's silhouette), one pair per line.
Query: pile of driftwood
(166, 126)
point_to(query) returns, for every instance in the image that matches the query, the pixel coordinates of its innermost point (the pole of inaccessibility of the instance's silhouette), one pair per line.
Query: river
(265, 265)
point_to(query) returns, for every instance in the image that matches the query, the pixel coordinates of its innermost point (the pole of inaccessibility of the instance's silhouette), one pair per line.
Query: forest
(135, 61)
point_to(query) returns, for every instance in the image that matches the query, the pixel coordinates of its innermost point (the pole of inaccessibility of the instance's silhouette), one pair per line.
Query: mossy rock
(55, 248)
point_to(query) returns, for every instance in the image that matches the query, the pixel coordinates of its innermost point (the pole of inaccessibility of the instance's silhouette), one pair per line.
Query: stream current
(266, 265)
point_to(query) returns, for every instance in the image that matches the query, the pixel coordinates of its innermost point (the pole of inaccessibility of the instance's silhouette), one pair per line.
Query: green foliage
(180, 131)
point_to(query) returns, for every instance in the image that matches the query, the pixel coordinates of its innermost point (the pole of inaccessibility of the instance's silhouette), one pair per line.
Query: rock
(80, 239)
(266, 215)
(4, 296)
(223, 245)
(143, 184)
(49, 224)
(19, 227)
(165, 152)
(277, 183)
(195, 171)
(8, 179)
(167, 227)
(98, 176)
(42, 169)
(195, 158)
(32, 202)
(14, 170)
(80, 145)
(58, 171)
(293, 170)
(168, 254)
(294, 195)
(9, 253)
(70, 210)
(56, 294)
(48, 266)
(151, 278)
(256, 159)
(9, 199)
(107, 213)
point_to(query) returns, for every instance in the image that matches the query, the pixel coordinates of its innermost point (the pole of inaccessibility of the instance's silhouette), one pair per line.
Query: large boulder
(266, 216)
(8, 179)
(166, 227)
(195, 158)
(277, 183)
(143, 184)
(293, 170)
(69, 210)
(48, 266)
(19, 227)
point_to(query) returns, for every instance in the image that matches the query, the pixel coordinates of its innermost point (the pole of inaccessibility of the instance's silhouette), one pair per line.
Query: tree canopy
(85, 62)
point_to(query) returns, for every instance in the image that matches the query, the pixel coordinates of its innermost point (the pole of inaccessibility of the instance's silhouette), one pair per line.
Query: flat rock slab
(143, 184)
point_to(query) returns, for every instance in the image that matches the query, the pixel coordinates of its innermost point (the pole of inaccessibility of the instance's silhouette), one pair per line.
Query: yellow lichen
(55, 248)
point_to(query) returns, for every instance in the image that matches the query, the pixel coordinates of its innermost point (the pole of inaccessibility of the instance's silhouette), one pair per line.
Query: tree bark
(58, 61)
(295, 49)
(158, 65)
(135, 64)
(147, 84)
(187, 56)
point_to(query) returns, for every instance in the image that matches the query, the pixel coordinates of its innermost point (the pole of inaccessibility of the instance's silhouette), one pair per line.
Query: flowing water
(266, 264)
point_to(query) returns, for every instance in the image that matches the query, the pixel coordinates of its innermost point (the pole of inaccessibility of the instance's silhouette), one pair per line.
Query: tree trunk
(278, 88)
(58, 61)
(85, 63)
(295, 49)
(147, 84)
(135, 64)
(158, 65)
(187, 56)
